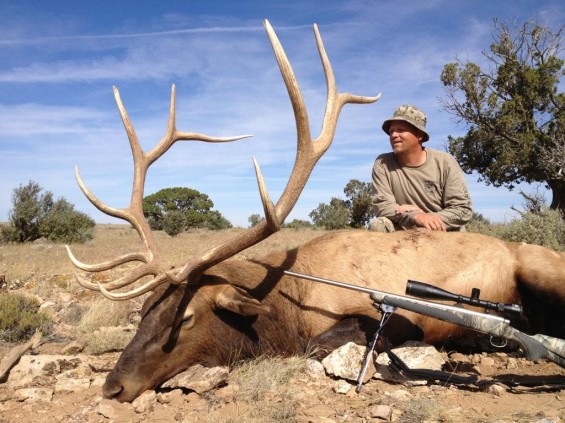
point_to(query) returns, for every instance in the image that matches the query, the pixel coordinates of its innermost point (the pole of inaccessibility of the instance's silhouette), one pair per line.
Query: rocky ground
(55, 384)
(59, 382)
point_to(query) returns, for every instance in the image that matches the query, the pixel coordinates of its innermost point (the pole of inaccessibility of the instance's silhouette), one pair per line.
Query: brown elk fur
(243, 308)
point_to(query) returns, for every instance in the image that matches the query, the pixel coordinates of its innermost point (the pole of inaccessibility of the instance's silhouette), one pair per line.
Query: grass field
(19, 262)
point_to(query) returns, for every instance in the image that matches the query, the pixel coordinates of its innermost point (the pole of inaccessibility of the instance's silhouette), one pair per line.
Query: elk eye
(187, 320)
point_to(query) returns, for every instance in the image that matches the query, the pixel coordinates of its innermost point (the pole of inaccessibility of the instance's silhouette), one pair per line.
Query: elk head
(180, 324)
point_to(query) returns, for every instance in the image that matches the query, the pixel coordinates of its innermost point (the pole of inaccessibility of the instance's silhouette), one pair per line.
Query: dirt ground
(313, 399)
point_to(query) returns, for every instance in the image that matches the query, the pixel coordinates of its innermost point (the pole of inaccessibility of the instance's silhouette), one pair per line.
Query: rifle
(535, 346)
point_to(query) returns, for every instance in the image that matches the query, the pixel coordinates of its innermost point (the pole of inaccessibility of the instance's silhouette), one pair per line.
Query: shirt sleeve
(457, 208)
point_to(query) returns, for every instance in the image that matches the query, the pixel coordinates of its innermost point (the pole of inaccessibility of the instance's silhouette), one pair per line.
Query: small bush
(105, 313)
(102, 326)
(66, 225)
(20, 318)
(259, 381)
(35, 215)
(298, 224)
(546, 228)
(108, 339)
(216, 222)
(174, 222)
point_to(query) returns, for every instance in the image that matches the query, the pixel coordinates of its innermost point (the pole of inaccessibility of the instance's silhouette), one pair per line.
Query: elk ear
(240, 302)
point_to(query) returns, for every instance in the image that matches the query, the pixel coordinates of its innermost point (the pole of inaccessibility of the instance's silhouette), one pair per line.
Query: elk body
(217, 309)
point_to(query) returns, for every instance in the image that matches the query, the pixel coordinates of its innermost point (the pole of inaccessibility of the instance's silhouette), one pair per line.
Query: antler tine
(307, 155)
(133, 213)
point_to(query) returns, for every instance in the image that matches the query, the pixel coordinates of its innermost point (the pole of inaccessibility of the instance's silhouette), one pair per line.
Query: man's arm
(458, 209)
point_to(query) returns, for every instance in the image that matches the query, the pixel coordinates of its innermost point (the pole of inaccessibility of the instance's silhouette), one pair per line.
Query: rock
(416, 355)
(462, 358)
(35, 366)
(145, 402)
(34, 394)
(381, 412)
(71, 385)
(115, 411)
(400, 395)
(495, 389)
(198, 378)
(170, 397)
(346, 362)
(315, 369)
(487, 361)
(73, 348)
(342, 387)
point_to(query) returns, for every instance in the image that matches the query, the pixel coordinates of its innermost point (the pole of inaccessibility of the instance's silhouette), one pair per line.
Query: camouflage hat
(410, 114)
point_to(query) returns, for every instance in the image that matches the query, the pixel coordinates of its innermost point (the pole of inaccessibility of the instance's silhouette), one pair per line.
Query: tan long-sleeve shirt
(437, 186)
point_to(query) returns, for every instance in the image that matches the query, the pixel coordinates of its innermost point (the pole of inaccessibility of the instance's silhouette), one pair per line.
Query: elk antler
(153, 265)
(308, 153)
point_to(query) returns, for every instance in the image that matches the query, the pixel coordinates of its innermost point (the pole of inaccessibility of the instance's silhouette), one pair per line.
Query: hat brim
(386, 127)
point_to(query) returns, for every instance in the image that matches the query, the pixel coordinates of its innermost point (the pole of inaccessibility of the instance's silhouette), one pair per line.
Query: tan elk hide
(216, 309)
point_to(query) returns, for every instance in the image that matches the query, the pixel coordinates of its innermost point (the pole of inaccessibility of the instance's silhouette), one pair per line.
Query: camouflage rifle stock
(535, 346)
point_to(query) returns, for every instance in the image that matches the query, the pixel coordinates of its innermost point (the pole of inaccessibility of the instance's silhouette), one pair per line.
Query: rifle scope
(424, 290)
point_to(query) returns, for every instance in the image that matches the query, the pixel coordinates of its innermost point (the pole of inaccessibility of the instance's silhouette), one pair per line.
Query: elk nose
(112, 387)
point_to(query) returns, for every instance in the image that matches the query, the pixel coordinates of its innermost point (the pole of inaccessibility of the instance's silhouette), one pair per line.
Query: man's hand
(430, 221)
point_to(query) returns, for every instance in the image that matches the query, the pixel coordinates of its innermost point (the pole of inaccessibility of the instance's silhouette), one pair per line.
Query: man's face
(404, 138)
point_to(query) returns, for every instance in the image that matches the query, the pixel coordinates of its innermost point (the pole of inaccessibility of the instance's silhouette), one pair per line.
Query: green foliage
(64, 224)
(20, 317)
(479, 224)
(35, 215)
(254, 219)
(174, 222)
(215, 221)
(545, 228)
(29, 208)
(359, 202)
(332, 216)
(175, 210)
(355, 212)
(516, 115)
(298, 224)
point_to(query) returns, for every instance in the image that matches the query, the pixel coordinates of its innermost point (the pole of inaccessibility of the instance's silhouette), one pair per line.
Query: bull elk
(216, 309)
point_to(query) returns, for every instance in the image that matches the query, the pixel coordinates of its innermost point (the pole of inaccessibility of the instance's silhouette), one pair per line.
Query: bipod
(386, 312)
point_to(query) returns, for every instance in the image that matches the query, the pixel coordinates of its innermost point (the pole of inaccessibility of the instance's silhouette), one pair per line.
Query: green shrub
(216, 222)
(546, 228)
(66, 225)
(479, 224)
(174, 222)
(298, 224)
(35, 215)
(20, 317)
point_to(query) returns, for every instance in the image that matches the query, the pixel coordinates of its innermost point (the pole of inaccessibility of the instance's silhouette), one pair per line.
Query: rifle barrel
(408, 303)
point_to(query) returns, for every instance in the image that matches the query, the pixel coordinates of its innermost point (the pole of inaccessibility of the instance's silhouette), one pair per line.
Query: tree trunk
(557, 187)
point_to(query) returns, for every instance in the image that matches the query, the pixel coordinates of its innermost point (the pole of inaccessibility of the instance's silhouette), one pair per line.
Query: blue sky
(60, 59)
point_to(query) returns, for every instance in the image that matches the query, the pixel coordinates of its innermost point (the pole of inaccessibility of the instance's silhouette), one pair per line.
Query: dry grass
(107, 339)
(427, 410)
(25, 261)
(264, 391)
(104, 326)
(106, 313)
